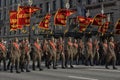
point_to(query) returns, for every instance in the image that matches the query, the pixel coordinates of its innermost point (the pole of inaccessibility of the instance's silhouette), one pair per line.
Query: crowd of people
(17, 54)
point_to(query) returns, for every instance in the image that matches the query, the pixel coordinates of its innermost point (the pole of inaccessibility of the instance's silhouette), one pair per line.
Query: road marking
(105, 70)
(85, 78)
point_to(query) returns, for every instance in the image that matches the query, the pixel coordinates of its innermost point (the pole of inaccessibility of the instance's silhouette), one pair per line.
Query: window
(10, 2)
(5, 31)
(54, 5)
(15, 1)
(4, 2)
(62, 3)
(0, 15)
(0, 3)
(41, 6)
(47, 6)
(79, 1)
(71, 3)
(88, 1)
(4, 14)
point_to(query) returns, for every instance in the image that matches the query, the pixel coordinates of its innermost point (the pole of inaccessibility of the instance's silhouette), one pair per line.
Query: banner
(97, 21)
(84, 22)
(13, 20)
(103, 29)
(61, 16)
(44, 24)
(23, 16)
(117, 26)
(33, 9)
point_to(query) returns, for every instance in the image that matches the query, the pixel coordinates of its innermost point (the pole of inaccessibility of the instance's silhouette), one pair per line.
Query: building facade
(111, 7)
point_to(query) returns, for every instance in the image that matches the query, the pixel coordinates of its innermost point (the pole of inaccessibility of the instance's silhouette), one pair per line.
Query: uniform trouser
(22, 61)
(89, 56)
(109, 58)
(15, 61)
(38, 58)
(27, 59)
(4, 62)
(54, 59)
(69, 56)
(96, 57)
(62, 56)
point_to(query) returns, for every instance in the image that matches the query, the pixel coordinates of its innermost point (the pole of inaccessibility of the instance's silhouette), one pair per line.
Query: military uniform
(53, 52)
(27, 54)
(22, 57)
(69, 53)
(80, 51)
(3, 53)
(47, 55)
(89, 53)
(37, 54)
(75, 50)
(61, 53)
(111, 54)
(15, 56)
(95, 51)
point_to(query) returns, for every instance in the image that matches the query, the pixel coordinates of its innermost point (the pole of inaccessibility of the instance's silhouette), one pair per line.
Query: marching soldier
(60, 46)
(80, 51)
(75, 49)
(111, 54)
(104, 50)
(22, 57)
(3, 53)
(27, 54)
(89, 52)
(53, 52)
(37, 55)
(15, 56)
(96, 51)
(69, 52)
(47, 54)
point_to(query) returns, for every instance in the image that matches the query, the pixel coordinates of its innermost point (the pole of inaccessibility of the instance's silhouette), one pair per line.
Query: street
(79, 72)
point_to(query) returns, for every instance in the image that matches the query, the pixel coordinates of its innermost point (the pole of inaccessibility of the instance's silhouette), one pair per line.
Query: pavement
(79, 72)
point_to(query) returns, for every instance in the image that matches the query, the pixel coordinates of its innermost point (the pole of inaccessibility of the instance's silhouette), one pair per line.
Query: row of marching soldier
(18, 55)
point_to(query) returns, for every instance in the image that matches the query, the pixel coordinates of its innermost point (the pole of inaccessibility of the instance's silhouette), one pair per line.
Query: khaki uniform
(95, 52)
(69, 54)
(75, 51)
(80, 52)
(60, 49)
(22, 57)
(15, 56)
(47, 54)
(27, 55)
(37, 55)
(3, 53)
(53, 53)
(111, 55)
(89, 53)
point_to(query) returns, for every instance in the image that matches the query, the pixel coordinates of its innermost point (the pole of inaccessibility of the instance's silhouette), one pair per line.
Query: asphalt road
(77, 73)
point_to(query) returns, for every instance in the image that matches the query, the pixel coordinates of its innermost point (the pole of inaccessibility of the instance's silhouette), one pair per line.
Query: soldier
(60, 46)
(111, 54)
(15, 56)
(27, 54)
(80, 51)
(22, 57)
(3, 53)
(37, 55)
(69, 52)
(53, 52)
(75, 50)
(89, 52)
(47, 54)
(96, 51)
